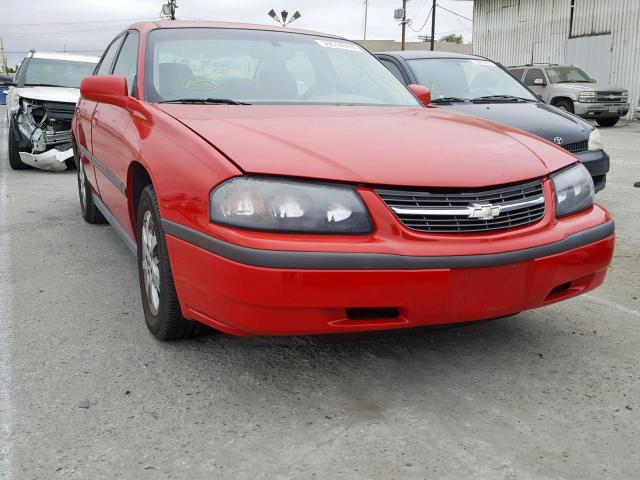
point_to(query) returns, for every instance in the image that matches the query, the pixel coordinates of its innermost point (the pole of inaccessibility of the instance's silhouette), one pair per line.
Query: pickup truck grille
(577, 146)
(466, 211)
(610, 97)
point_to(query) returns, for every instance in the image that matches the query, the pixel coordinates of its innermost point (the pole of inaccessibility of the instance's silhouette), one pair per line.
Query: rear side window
(127, 62)
(532, 75)
(393, 68)
(517, 73)
(104, 68)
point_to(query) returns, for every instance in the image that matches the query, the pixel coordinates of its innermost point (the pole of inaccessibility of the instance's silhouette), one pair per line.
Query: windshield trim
(148, 60)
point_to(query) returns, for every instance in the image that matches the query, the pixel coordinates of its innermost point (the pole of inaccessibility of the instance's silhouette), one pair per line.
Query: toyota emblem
(558, 140)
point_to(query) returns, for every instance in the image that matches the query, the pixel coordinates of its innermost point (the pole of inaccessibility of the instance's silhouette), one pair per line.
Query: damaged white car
(40, 107)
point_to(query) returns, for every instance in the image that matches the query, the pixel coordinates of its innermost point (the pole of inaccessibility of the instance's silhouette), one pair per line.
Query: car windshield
(266, 67)
(57, 73)
(567, 75)
(466, 78)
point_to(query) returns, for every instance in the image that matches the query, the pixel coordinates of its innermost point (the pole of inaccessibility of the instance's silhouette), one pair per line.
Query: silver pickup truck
(571, 89)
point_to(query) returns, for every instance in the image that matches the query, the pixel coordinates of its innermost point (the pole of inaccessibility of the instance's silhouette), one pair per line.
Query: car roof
(152, 25)
(416, 54)
(71, 57)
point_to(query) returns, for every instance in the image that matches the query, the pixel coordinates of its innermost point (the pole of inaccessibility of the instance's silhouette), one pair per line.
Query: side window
(532, 75)
(393, 68)
(104, 67)
(517, 73)
(127, 62)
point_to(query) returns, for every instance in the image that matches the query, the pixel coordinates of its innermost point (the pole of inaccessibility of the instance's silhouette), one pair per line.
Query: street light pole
(366, 12)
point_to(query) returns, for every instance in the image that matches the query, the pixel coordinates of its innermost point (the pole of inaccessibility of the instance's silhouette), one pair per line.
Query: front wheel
(159, 298)
(14, 153)
(565, 105)
(607, 121)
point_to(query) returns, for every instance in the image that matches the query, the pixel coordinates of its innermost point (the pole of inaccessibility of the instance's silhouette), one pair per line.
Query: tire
(89, 211)
(565, 105)
(607, 121)
(159, 298)
(14, 156)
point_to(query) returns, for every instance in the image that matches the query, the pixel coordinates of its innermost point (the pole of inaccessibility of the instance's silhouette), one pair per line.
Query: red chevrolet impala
(280, 182)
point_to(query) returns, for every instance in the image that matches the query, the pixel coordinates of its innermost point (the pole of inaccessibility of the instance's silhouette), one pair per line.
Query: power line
(425, 22)
(455, 13)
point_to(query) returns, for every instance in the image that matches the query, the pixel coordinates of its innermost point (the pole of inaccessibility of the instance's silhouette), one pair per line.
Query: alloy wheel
(150, 262)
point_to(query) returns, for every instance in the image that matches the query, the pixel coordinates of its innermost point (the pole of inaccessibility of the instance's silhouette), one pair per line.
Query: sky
(87, 26)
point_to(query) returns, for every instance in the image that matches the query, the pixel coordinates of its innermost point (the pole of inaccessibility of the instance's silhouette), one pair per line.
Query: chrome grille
(52, 138)
(610, 97)
(577, 146)
(462, 211)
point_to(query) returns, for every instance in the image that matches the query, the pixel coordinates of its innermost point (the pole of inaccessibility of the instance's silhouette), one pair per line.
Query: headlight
(595, 140)
(574, 190)
(288, 206)
(587, 96)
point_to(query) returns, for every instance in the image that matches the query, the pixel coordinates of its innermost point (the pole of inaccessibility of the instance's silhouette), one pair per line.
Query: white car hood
(52, 94)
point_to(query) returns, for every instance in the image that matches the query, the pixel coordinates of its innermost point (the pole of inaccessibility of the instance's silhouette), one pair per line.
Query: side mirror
(422, 92)
(111, 89)
(539, 81)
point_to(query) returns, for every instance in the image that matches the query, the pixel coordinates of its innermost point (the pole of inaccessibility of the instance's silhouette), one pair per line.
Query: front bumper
(600, 110)
(597, 163)
(248, 291)
(53, 160)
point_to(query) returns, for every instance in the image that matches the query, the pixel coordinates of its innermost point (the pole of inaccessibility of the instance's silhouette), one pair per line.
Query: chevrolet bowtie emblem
(484, 211)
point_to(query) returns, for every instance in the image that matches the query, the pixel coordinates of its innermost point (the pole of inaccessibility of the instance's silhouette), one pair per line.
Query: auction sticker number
(340, 45)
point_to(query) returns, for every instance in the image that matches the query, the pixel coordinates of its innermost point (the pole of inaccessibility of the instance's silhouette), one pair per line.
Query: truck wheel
(565, 105)
(159, 298)
(89, 211)
(607, 121)
(14, 155)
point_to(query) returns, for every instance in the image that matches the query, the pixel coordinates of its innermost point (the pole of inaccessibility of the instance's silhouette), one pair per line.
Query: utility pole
(5, 67)
(433, 25)
(404, 21)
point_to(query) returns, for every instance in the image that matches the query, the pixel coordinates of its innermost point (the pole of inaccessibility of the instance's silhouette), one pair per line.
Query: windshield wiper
(45, 85)
(205, 101)
(506, 98)
(449, 100)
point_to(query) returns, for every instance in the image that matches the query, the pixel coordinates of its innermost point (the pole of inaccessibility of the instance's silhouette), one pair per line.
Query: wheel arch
(138, 177)
(559, 98)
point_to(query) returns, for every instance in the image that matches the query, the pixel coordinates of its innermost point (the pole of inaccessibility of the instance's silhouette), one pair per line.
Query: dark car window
(517, 73)
(532, 75)
(256, 66)
(393, 68)
(127, 63)
(104, 68)
(466, 78)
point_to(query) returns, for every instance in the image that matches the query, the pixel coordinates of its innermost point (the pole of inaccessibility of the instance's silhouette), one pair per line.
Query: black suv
(480, 87)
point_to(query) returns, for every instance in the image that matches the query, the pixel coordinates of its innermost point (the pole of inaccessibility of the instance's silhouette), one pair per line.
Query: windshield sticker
(481, 62)
(340, 45)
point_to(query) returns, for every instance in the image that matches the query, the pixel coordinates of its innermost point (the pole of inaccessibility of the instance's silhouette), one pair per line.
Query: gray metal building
(600, 36)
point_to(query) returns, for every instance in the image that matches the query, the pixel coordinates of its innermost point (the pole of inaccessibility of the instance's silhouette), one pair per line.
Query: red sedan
(284, 182)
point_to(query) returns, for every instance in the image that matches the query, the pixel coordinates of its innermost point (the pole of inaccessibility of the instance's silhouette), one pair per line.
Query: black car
(477, 86)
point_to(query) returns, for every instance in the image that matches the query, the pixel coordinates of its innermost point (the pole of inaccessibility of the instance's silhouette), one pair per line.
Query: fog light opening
(377, 313)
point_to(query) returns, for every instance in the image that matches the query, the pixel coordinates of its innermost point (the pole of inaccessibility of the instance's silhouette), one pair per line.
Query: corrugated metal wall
(516, 32)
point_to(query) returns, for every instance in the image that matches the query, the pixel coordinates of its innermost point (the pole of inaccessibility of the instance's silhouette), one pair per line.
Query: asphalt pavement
(87, 393)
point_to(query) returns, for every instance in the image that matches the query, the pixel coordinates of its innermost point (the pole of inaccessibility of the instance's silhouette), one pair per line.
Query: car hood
(51, 94)
(540, 119)
(579, 87)
(371, 145)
